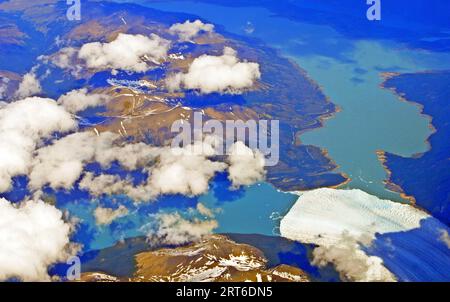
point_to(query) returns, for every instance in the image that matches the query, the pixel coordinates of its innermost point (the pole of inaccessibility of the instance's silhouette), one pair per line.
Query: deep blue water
(426, 176)
(415, 255)
(410, 22)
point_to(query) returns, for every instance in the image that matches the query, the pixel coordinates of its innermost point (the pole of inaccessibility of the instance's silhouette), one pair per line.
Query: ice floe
(322, 216)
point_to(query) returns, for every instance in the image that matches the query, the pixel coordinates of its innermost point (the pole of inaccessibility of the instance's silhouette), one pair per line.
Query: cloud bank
(188, 30)
(33, 236)
(222, 74)
(60, 163)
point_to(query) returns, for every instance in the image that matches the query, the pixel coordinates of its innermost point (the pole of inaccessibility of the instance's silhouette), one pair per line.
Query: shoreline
(386, 76)
(322, 119)
(382, 155)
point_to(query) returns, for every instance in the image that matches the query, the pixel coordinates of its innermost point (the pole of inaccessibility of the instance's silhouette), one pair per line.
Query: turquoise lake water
(252, 210)
(258, 211)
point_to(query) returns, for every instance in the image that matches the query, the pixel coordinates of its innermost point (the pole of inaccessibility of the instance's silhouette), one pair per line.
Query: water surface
(350, 73)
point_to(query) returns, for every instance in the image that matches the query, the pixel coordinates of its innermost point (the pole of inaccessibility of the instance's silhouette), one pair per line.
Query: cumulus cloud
(351, 262)
(29, 86)
(126, 52)
(23, 125)
(184, 171)
(104, 216)
(223, 74)
(33, 236)
(173, 229)
(79, 100)
(188, 30)
(246, 165)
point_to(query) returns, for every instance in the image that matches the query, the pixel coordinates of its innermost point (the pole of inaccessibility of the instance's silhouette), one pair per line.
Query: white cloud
(174, 82)
(351, 262)
(223, 74)
(246, 165)
(29, 86)
(66, 58)
(79, 100)
(126, 52)
(23, 124)
(112, 185)
(173, 229)
(104, 216)
(204, 210)
(188, 30)
(33, 236)
(103, 184)
(171, 171)
(61, 163)
(130, 156)
(184, 171)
